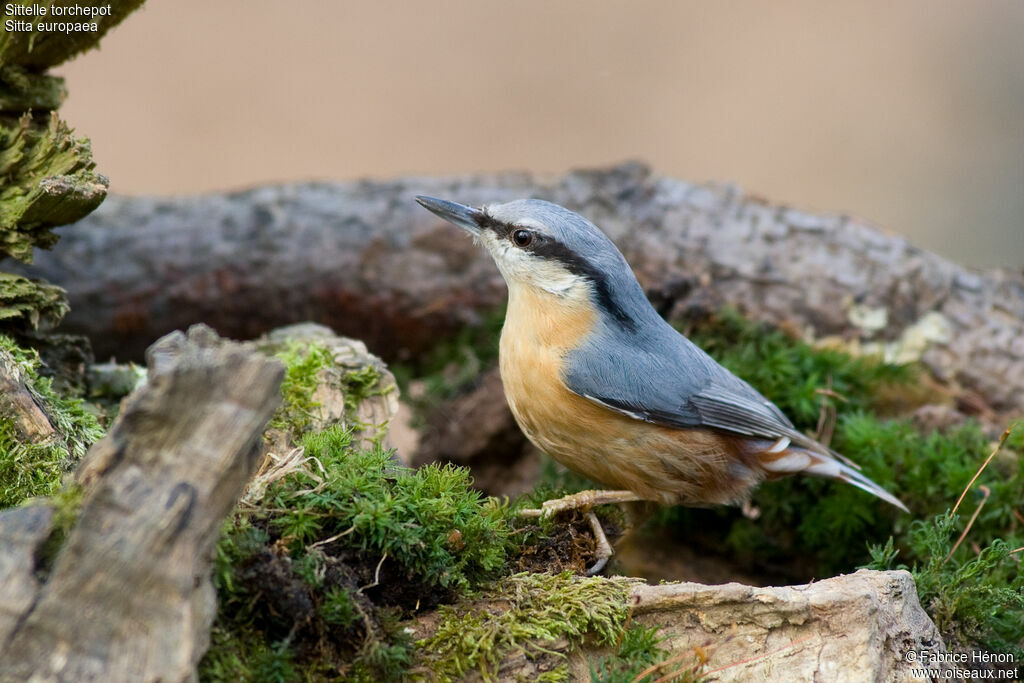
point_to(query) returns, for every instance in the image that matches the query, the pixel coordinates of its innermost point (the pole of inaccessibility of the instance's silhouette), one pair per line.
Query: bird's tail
(780, 458)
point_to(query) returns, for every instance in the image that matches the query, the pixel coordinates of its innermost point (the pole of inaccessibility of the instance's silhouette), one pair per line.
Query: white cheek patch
(554, 278)
(520, 267)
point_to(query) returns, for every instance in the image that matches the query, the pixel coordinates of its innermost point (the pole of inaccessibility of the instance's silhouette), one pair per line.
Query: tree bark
(130, 596)
(18, 405)
(364, 259)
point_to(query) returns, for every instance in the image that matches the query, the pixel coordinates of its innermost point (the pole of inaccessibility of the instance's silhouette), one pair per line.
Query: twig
(981, 469)
(984, 489)
(344, 533)
(376, 574)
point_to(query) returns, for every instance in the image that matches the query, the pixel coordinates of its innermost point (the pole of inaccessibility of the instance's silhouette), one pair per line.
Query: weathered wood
(130, 597)
(365, 260)
(853, 627)
(18, 405)
(22, 531)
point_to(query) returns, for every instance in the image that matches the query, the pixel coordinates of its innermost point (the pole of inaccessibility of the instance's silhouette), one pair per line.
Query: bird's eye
(522, 238)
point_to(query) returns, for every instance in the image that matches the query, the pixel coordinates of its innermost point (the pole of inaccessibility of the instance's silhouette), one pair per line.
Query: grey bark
(130, 595)
(364, 259)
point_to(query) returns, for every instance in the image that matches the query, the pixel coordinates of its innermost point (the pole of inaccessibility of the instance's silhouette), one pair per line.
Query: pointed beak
(463, 216)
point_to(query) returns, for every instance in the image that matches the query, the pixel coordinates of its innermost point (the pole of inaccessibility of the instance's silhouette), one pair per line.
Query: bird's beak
(463, 216)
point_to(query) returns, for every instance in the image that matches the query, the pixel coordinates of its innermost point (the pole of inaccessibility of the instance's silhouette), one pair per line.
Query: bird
(599, 381)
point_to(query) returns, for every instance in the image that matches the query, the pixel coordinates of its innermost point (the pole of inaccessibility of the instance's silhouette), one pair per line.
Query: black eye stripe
(546, 247)
(487, 222)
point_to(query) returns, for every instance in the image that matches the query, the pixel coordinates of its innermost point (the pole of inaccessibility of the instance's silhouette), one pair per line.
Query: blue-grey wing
(670, 381)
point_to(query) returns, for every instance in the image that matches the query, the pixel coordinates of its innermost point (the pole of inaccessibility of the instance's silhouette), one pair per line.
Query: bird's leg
(582, 500)
(603, 551)
(586, 500)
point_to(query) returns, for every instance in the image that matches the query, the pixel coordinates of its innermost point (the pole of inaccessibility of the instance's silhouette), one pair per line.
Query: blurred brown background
(908, 113)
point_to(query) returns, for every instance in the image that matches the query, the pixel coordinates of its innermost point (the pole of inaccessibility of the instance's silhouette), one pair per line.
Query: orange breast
(658, 463)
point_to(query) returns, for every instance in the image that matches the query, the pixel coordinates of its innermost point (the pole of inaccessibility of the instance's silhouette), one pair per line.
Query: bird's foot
(586, 500)
(603, 551)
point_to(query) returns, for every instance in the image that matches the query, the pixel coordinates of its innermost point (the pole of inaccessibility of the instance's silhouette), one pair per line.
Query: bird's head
(537, 244)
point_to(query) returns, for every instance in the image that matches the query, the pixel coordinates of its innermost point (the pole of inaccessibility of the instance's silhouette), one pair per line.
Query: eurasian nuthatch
(599, 381)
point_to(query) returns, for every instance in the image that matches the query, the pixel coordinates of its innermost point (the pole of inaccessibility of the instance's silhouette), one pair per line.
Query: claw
(604, 549)
(586, 500)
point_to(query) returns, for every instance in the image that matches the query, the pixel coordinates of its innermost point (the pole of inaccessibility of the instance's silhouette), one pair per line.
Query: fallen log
(363, 259)
(855, 627)
(129, 596)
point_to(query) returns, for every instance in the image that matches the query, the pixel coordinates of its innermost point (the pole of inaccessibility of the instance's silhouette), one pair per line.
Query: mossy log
(22, 90)
(27, 304)
(855, 627)
(49, 180)
(129, 596)
(365, 260)
(330, 380)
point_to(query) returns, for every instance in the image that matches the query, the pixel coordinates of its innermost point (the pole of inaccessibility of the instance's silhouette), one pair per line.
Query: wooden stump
(129, 596)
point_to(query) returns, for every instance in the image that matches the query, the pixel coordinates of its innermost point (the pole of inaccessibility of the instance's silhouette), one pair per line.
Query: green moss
(827, 524)
(309, 365)
(242, 654)
(975, 597)
(28, 470)
(344, 545)
(359, 385)
(536, 610)
(429, 522)
(637, 658)
(968, 574)
(303, 365)
(798, 378)
(48, 181)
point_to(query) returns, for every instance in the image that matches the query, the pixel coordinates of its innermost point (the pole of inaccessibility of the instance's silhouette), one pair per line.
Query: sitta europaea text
(600, 382)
